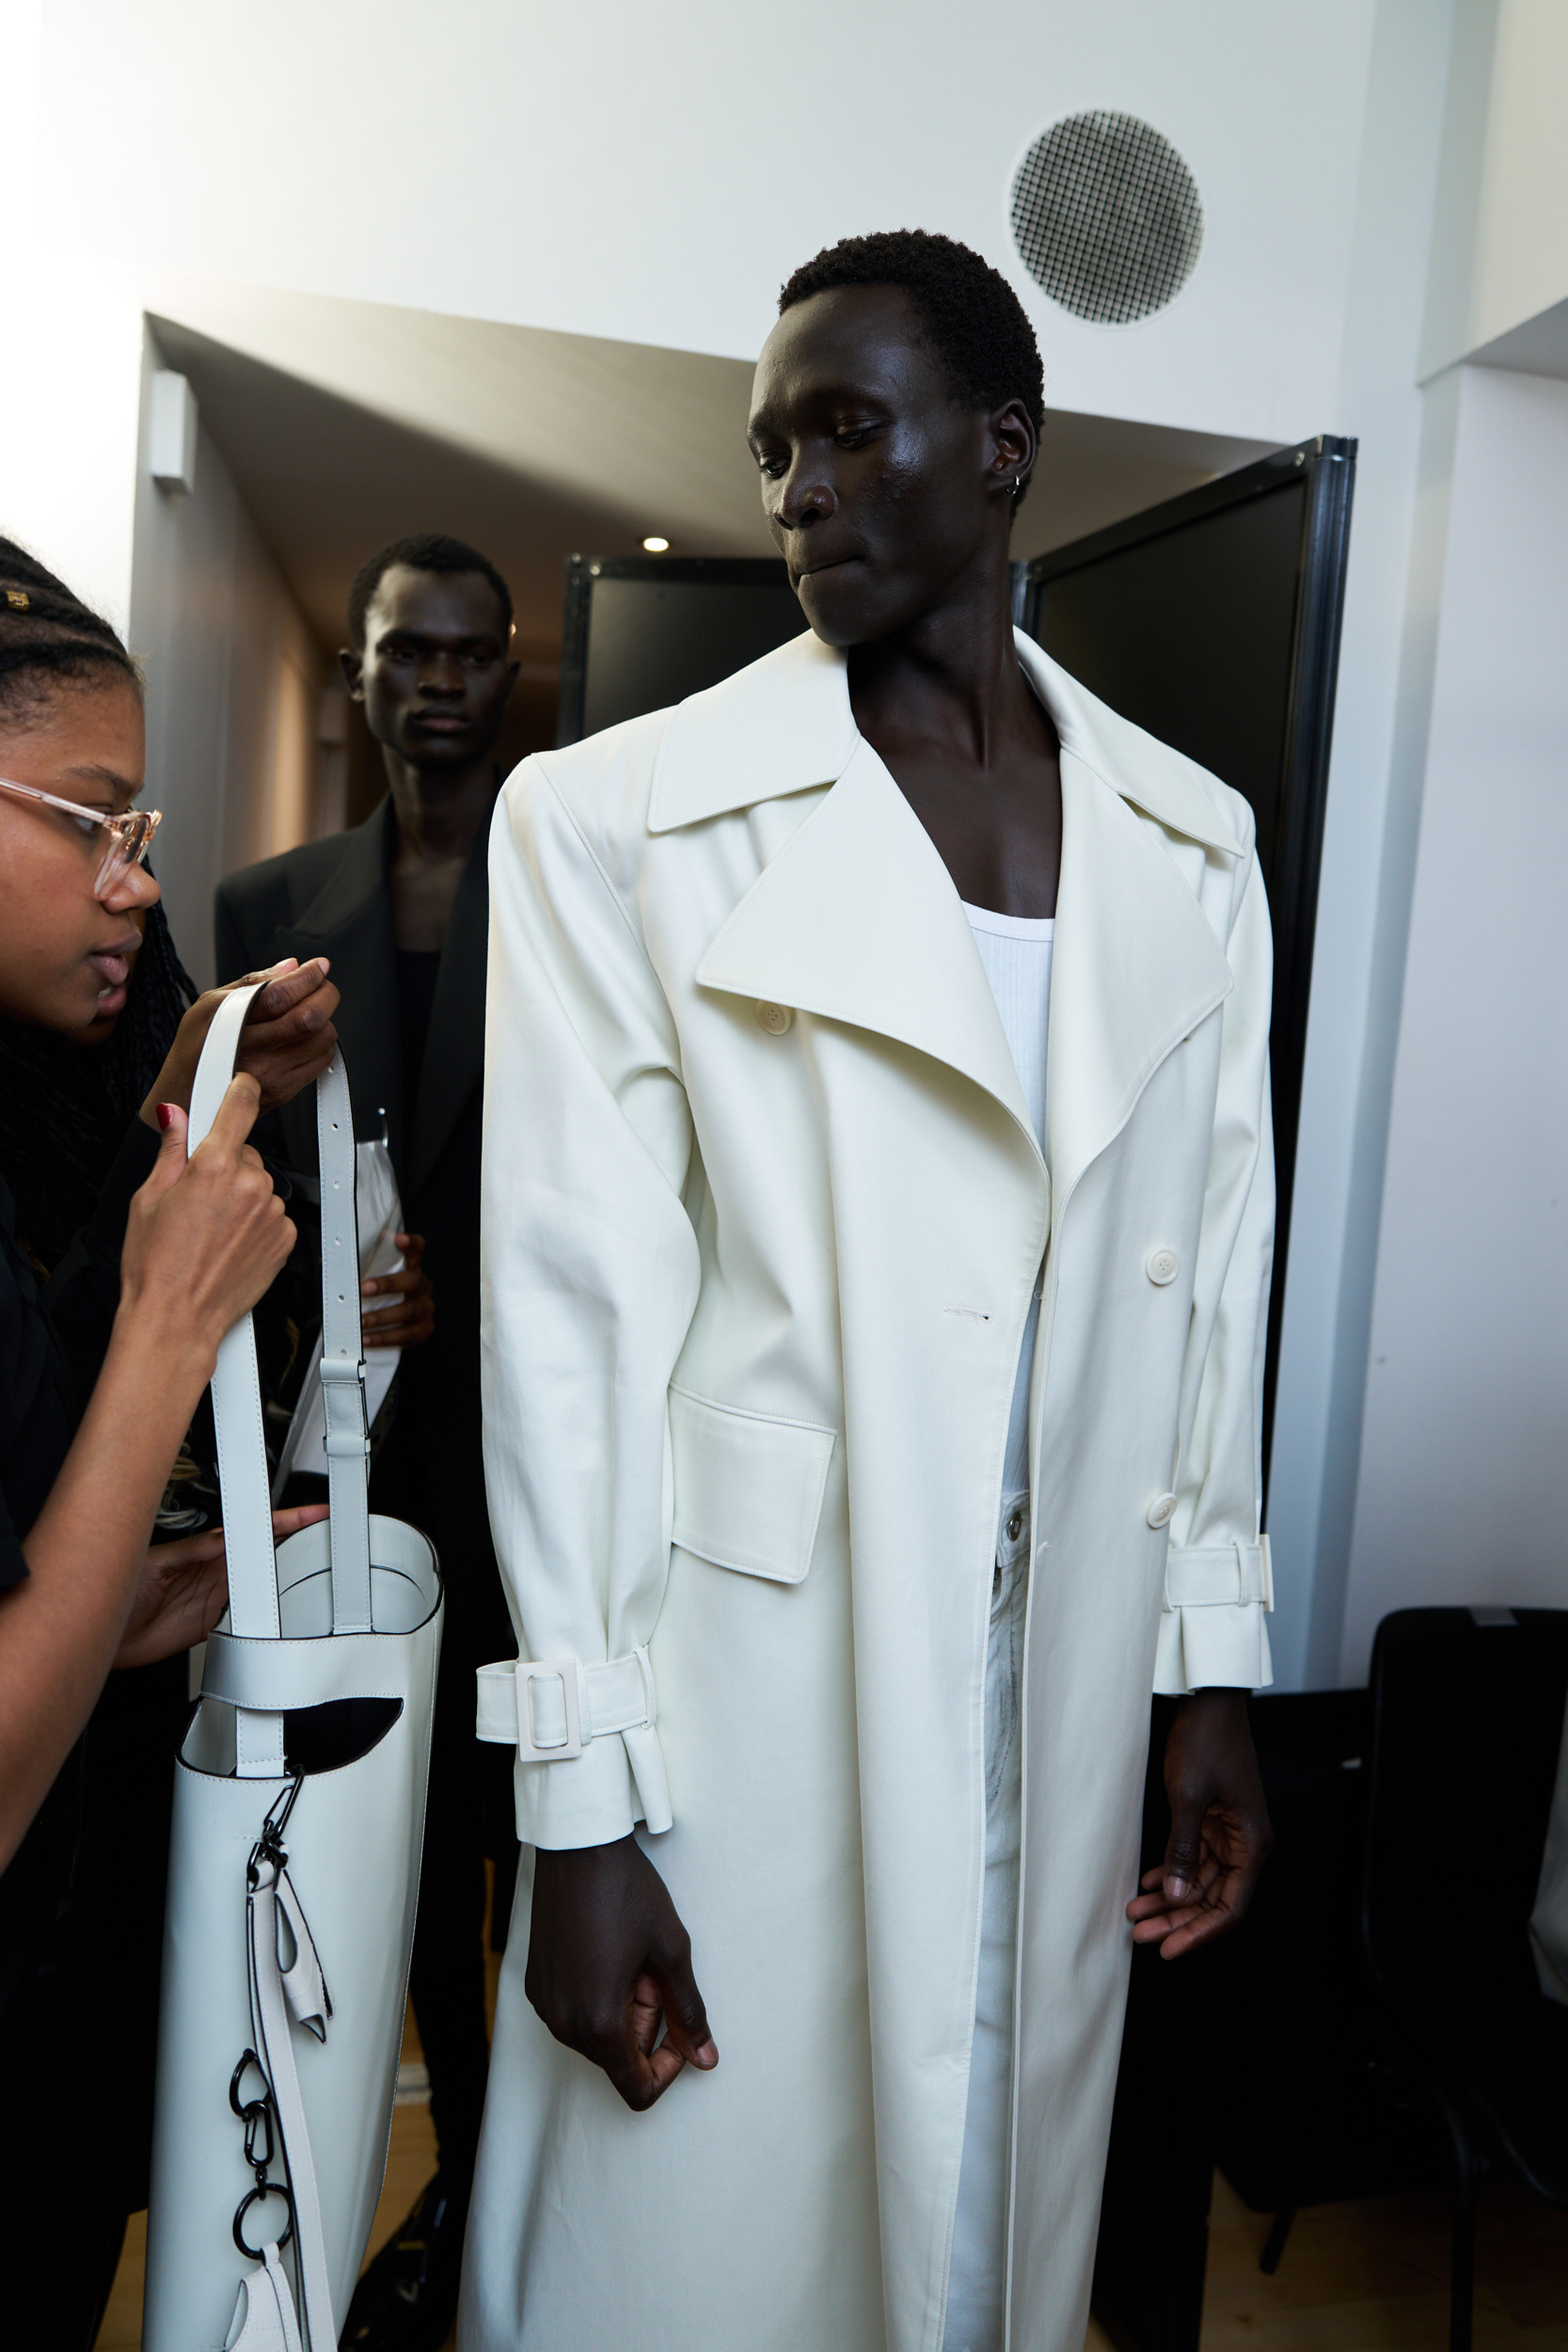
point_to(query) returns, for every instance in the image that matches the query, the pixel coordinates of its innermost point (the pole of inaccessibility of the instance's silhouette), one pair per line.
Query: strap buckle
(346, 1436)
(531, 1749)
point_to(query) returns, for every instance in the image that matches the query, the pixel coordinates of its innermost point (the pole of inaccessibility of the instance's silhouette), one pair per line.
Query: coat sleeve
(590, 1280)
(1218, 1583)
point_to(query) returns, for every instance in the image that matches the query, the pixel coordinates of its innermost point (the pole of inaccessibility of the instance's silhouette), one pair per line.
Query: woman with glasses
(107, 1340)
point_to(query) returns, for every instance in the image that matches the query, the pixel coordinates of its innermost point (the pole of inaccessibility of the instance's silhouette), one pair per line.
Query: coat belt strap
(1204, 1575)
(548, 1708)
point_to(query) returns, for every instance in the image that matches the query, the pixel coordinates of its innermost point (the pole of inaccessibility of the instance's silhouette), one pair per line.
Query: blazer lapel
(350, 920)
(454, 1051)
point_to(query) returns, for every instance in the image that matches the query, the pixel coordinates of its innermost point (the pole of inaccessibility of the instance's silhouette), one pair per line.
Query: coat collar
(784, 723)
(856, 918)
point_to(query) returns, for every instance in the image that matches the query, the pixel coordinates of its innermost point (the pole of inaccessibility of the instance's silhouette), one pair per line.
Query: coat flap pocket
(748, 1489)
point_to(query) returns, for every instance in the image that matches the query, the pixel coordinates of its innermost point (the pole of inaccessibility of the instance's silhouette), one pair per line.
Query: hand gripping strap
(237, 1421)
(237, 1395)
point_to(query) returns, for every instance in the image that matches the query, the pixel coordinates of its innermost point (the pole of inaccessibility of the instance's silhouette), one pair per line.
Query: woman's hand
(183, 1590)
(286, 1043)
(408, 1317)
(205, 1236)
(1219, 1828)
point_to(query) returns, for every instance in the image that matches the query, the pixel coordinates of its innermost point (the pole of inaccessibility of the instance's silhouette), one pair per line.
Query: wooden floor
(1363, 2277)
(1372, 2277)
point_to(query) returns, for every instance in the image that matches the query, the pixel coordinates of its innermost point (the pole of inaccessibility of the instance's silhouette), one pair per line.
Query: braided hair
(65, 1102)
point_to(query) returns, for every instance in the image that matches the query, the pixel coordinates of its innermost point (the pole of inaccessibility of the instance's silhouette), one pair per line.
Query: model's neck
(951, 677)
(440, 811)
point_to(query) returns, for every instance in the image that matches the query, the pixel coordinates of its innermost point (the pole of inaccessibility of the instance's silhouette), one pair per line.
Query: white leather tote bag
(294, 1865)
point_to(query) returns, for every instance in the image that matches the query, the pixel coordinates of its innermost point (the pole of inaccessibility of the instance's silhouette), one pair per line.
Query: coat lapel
(1136, 967)
(856, 917)
(454, 1051)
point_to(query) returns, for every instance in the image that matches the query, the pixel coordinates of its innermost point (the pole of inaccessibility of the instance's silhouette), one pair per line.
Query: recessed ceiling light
(656, 547)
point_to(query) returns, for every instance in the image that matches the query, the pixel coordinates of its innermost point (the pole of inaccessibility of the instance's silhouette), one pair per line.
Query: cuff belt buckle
(530, 1748)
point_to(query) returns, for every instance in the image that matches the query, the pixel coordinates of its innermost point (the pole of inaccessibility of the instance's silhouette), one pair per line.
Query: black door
(1213, 621)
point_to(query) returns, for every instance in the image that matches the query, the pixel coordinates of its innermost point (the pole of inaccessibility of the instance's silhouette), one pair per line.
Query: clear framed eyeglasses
(126, 837)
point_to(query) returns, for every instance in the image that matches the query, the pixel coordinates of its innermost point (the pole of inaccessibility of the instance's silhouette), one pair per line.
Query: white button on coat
(775, 1018)
(1161, 1267)
(1161, 1510)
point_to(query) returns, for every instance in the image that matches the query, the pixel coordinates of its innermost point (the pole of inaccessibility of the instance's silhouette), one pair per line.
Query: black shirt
(52, 1345)
(419, 970)
(38, 1411)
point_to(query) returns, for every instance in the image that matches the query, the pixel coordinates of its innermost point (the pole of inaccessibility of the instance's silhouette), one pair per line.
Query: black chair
(1468, 1714)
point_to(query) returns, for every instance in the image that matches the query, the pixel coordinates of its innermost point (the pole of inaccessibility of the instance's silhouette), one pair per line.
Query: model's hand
(286, 1043)
(183, 1590)
(607, 1958)
(1219, 1828)
(408, 1317)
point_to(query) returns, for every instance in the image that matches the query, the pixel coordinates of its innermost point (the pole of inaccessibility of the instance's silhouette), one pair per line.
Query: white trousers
(976, 2290)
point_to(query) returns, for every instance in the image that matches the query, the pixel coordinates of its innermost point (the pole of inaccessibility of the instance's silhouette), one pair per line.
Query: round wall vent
(1106, 216)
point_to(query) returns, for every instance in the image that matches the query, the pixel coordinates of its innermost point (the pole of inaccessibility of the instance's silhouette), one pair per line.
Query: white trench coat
(763, 1215)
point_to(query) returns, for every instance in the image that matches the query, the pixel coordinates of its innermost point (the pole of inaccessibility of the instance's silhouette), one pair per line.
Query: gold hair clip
(17, 599)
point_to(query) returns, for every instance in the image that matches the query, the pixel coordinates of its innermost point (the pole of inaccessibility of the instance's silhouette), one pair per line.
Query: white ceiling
(349, 424)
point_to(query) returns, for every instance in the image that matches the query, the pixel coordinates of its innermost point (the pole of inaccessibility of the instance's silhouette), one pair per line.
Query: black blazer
(331, 898)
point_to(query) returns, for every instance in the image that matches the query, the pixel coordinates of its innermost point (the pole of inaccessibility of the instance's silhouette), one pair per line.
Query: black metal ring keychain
(257, 2117)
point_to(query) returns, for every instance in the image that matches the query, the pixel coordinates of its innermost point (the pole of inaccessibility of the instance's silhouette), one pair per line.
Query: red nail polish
(166, 1116)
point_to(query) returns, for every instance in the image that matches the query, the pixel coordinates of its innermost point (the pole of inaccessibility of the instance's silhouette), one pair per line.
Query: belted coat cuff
(1208, 1639)
(590, 1801)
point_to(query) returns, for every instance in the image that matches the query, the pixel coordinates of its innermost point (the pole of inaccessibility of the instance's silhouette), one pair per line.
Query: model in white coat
(765, 1213)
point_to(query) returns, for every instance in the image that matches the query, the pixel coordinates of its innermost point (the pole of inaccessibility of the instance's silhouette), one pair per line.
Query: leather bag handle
(243, 1475)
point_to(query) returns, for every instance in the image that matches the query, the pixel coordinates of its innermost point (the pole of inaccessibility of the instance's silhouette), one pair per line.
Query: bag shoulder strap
(342, 1359)
(236, 1386)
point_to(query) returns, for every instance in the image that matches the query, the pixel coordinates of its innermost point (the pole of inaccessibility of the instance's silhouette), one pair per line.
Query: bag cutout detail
(749, 1488)
(325, 1737)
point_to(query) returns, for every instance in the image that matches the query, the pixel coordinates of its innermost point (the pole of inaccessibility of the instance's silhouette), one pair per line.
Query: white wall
(70, 339)
(1368, 848)
(1500, 238)
(654, 174)
(189, 580)
(1466, 1407)
(233, 682)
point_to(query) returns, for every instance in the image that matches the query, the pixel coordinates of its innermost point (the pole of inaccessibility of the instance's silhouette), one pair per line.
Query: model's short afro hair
(974, 321)
(426, 551)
